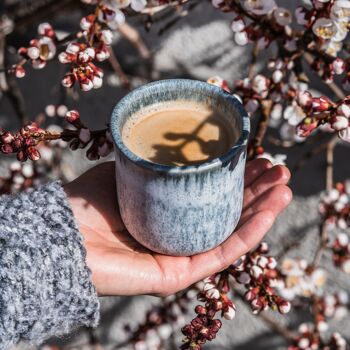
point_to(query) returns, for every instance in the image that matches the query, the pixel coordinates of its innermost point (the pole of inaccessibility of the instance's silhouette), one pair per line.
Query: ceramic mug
(180, 210)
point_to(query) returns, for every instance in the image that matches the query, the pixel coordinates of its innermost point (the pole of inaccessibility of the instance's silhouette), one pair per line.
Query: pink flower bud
(263, 42)
(343, 239)
(33, 153)
(338, 66)
(21, 156)
(86, 84)
(252, 105)
(104, 150)
(339, 122)
(263, 248)
(241, 38)
(23, 51)
(212, 293)
(345, 136)
(237, 25)
(97, 71)
(200, 310)
(230, 313)
(300, 14)
(72, 116)
(284, 307)
(39, 64)
(305, 99)
(110, 139)
(256, 271)
(345, 266)
(262, 261)
(217, 3)
(250, 295)
(6, 148)
(344, 110)
(304, 343)
(65, 57)
(84, 135)
(91, 154)
(106, 36)
(45, 29)
(208, 286)
(19, 71)
(138, 5)
(102, 55)
(217, 323)
(73, 48)
(272, 263)
(50, 110)
(256, 304)
(307, 126)
(97, 82)
(322, 326)
(7, 137)
(87, 55)
(277, 76)
(260, 83)
(33, 52)
(321, 104)
(62, 110)
(68, 80)
(86, 22)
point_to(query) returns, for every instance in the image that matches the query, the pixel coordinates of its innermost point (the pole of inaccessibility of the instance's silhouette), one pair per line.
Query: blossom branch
(323, 232)
(24, 143)
(113, 60)
(335, 88)
(275, 325)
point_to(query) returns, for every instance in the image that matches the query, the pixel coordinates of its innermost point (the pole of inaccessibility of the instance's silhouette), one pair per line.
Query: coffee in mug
(178, 133)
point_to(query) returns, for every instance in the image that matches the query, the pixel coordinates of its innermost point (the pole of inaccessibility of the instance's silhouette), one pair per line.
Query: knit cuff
(45, 284)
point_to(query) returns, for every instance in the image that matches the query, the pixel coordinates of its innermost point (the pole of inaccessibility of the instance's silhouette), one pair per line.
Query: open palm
(121, 266)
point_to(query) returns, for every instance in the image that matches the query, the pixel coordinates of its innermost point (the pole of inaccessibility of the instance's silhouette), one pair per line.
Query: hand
(121, 266)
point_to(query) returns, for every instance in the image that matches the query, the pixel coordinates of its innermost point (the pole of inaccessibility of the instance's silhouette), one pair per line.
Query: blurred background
(196, 43)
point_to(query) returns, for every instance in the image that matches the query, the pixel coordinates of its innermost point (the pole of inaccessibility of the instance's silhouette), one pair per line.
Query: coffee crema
(178, 133)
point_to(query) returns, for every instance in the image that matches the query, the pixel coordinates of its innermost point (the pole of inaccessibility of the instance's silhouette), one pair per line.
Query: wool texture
(45, 284)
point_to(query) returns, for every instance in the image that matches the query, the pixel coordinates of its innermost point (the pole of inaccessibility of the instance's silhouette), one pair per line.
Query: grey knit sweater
(45, 284)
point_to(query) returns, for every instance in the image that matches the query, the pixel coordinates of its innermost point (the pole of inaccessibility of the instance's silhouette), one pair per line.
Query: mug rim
(174, 169)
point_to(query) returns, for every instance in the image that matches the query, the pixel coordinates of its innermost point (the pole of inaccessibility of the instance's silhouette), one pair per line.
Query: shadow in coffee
(174, 154)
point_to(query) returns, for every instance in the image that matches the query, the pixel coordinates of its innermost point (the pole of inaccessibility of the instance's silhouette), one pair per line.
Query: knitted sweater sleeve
(45, 284)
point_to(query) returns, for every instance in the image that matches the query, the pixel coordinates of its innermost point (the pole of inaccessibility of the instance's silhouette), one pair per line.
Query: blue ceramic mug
(180, 210)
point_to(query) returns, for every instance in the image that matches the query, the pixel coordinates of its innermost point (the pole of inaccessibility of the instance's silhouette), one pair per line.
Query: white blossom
(259, 7)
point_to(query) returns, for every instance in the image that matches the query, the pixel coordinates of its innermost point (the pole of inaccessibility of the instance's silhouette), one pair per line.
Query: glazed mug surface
(180, 210)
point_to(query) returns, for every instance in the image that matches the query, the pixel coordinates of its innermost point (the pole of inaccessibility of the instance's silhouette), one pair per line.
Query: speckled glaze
(180, 210)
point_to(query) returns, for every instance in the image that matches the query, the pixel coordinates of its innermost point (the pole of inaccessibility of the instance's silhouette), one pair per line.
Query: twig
(42, 13)
(262, 127)
(133, 36)
(273, 324)
(9, 86)
(287, 248)
(329, 185)
(335, 89)
(155, 9)
(330, 162)
(179, 16)
(252, 67)
(309, 155)
(118, 69)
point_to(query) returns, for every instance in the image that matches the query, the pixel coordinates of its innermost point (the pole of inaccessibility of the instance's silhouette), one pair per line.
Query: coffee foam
(182, 117)
(160, 107)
